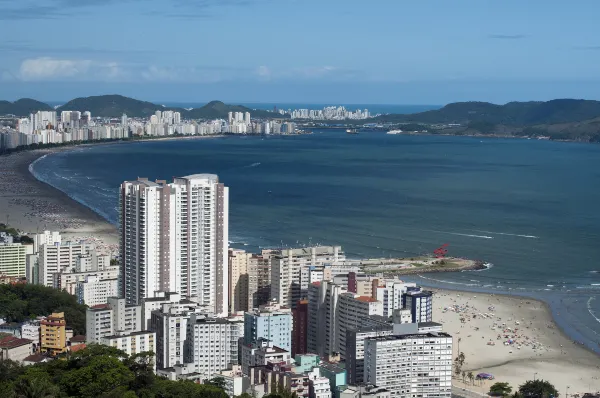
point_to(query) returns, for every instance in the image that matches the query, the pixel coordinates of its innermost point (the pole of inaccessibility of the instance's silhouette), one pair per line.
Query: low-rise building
(111, 318)
(235, 383)
(94, 291)
(261, 353)
(133, 342)
(15, 348)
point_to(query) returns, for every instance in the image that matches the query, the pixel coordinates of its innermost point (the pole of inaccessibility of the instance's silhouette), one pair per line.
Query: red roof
(13, 342)
(75, 348)
(366, 299)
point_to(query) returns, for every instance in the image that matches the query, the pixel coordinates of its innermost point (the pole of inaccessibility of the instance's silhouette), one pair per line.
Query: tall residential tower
(174, 238)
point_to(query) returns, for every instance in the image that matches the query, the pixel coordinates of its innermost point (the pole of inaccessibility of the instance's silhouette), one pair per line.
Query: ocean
(529, 207)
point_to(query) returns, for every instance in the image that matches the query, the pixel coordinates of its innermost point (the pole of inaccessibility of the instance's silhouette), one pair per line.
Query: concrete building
(15, 348)
(238, 280)
(356, 391)
(133, 342)
(31, 331)
(69, 278)
(170, 325)
(337, 376)
(290, 270)
(300, 328)
(174, 238)
(114, 317)
(390, 293)
(350, 310)
(271, 322)
(322, 320)
(410, 365)
(53, 334)
(93, 290)
(259, 279)
(420, 304)
(360, 284)
(261, 353)
(57, 258)
(13, 258)
(211, 344)
(235, 383)
(318, 385)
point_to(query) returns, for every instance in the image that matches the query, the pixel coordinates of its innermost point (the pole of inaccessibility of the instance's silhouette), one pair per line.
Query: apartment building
(323, 298)
(114, 317)
(420, 304)
(53, 334)
(211, 344)
(410, 365)
(290, 270)
(13, 259)
(93, 290)
(351, 309)
(271, 322)
(132, 342)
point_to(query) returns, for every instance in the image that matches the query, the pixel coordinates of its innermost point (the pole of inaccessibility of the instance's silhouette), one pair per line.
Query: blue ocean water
(373, 108)
(527, 206)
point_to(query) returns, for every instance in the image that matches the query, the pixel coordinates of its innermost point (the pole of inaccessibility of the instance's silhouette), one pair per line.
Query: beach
(535, 347)
(32, 206)
(516, 340)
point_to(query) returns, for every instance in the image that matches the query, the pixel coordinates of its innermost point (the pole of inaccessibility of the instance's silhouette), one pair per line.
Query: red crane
(441, 251)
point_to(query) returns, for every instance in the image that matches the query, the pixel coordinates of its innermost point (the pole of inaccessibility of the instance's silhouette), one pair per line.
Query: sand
(30, 205)
(538, 349)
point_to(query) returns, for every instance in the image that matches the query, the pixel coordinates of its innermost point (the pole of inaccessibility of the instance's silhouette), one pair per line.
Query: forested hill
(117, 105)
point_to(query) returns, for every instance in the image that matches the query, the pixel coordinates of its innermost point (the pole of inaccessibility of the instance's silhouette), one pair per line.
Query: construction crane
(441, 251)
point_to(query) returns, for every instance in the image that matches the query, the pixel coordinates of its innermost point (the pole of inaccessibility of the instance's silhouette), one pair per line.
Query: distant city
(48, 127)
(327, 113)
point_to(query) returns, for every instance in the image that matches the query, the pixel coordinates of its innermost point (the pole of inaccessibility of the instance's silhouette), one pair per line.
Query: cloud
(507, 37)
(47, 68)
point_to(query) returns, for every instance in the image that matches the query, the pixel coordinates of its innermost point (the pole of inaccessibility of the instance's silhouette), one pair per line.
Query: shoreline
(482, 324)
(77, 220)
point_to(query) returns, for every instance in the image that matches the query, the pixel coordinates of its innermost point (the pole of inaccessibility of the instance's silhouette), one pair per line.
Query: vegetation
(538, 389)
(116, 105)
(500, 389)
(21, 302)
(97, 371)
(17, 237)
(22, 107)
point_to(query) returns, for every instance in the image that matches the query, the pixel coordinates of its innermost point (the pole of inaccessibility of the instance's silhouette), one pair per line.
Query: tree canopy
(21, 302)
(500, 389)
(538, 389)
(97, 371)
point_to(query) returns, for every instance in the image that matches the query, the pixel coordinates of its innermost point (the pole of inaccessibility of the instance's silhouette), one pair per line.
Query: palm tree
(471, 377)
(464, 375)
(36, 388)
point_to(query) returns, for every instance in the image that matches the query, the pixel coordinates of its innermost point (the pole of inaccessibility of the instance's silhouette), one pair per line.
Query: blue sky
(345, 51)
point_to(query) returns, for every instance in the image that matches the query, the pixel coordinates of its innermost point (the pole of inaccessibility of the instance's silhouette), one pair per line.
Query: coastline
(33, 204)
(540, 349)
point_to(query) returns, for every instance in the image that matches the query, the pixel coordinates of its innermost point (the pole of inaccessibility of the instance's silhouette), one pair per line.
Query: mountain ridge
(114, 105)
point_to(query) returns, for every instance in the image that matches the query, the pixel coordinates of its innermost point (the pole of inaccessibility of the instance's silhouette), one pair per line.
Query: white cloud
(263, 72)
(47, 68)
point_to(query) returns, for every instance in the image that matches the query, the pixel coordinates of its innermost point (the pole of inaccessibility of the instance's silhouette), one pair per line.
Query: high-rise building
(93, 290)
(300, 327)
(247, 118)
(124, 120)
(114, 317)
(174, 238)
(211, 344)
(54, 259)
(351, 309)
(420, 304)
(390, 293)
(269, 322)
(323, 298)
(259, 279)
(238, 279)
(13, 259)
(410, 364)
(49, 238)
(290, 271)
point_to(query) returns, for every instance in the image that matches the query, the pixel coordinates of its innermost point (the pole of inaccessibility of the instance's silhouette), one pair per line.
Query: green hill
(511, 114)
(23, 107)
(113, 106)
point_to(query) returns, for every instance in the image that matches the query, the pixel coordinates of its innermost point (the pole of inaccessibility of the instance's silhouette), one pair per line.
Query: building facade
(410, 365)
(174, 238)
(53, 334)
(270, 322)
(13, 258)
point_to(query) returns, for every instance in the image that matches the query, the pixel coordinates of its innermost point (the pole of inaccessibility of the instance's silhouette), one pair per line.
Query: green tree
(101, 375)
(464, 375)
(538, 389)
(36, 388)
(244, 395)
(500, 389)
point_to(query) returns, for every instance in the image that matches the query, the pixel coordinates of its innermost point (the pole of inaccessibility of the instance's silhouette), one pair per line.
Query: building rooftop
(332, 367)
(36, 358)
(429, 324)
(411, 336)
(366, 299)
(78, 339)
(9, 342)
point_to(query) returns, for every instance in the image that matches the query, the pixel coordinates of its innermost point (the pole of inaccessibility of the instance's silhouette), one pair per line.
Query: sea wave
(508, 234)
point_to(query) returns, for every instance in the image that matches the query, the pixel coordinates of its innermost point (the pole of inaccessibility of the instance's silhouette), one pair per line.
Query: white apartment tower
(174, 238)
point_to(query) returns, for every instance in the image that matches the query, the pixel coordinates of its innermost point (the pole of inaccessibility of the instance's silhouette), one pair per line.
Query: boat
(352, 131)
(394, 132)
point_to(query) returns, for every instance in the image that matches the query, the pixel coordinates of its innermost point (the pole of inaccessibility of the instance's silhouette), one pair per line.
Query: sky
(319, 51)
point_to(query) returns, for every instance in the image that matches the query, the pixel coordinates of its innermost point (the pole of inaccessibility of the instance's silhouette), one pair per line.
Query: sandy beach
(516, 340)
(31, 205)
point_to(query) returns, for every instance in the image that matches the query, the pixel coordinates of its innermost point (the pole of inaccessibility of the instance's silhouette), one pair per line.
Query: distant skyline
(292, 51)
